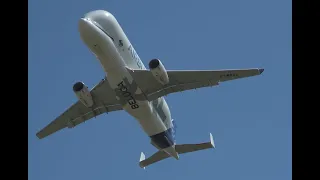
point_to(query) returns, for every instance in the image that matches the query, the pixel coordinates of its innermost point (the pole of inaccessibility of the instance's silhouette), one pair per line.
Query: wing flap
(179, 88)
(94, 113)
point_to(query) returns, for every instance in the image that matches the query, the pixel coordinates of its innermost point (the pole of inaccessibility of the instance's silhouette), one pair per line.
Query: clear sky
(250, 119)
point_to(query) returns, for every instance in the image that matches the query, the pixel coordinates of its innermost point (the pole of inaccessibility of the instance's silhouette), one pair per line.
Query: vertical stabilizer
(142, 158)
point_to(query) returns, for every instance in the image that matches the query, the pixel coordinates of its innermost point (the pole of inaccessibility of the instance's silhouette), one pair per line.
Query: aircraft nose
(84, 24)
(88, 31)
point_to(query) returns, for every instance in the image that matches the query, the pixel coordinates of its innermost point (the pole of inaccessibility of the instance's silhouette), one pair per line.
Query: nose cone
(84, 24)
(89, 32)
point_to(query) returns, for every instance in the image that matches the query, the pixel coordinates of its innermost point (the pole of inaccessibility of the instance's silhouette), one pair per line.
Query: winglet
(261, 70)
(212, 142)
(142, 158)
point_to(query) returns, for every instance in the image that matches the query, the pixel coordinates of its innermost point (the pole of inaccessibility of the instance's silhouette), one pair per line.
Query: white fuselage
(102, 34)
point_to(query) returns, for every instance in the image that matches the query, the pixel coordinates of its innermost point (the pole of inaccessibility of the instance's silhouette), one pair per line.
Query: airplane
(129, 86)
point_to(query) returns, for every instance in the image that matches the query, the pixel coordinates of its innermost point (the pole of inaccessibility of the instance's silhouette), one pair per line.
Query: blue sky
(250, 119)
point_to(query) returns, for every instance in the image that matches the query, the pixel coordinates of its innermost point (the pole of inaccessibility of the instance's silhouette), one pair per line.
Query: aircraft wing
(182, 80)
(104, 101)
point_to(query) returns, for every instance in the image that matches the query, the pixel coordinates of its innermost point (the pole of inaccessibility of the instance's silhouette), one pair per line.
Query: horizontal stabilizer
(186, 148)
(158, 156)
(180, 149)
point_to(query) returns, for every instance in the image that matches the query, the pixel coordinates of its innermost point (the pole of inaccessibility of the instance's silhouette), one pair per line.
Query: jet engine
(83, 94)
(158, 71)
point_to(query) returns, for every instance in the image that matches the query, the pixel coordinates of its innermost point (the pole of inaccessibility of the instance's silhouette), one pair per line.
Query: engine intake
(83, 94)
(78, 86)
(154, 63)
(158, 71)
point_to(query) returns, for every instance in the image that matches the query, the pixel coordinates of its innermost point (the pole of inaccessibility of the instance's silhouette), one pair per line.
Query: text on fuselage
(135, 56)
(127, 95)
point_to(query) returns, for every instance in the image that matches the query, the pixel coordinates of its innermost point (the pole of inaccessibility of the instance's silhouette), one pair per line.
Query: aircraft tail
(186, 148)
(179, 148)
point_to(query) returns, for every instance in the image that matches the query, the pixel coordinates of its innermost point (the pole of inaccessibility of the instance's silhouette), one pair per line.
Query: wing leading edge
(187, 79)
(104, 99)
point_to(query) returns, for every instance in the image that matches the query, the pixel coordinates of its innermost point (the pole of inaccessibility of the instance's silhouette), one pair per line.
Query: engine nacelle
(158, 71)
(83, 94)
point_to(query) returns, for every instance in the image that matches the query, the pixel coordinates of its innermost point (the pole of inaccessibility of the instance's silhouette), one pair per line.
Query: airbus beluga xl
(129, 86)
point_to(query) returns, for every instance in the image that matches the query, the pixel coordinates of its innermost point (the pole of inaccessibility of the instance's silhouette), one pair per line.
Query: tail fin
(142, 158)
(180, 149)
